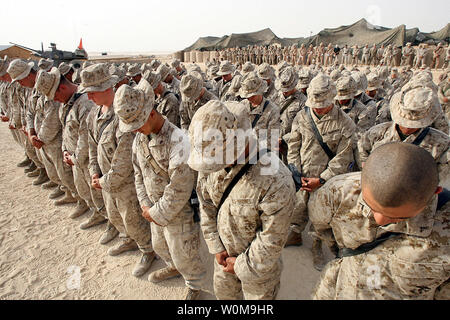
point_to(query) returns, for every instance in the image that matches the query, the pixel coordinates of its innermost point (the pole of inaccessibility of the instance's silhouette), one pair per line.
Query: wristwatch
(322, 181)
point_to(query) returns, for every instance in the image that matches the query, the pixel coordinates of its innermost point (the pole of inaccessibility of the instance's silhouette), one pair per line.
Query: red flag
(80, 46)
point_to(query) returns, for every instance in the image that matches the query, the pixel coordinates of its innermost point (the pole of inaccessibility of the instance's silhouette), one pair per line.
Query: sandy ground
(40, 248)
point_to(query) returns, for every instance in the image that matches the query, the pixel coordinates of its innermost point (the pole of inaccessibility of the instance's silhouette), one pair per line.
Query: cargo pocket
(417, 279)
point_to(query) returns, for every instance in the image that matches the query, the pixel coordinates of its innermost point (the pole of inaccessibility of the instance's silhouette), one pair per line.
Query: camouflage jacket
(75, 133)
(295, 103)
(163, 179)
(436, 143)
(50, 130)
(363, 117)
(167, 104)
(253, 222)
(411, 266)
(337, 131)
(188, 108)
(110, 155)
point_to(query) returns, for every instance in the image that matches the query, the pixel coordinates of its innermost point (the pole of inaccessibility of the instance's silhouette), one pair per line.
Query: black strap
(258, 116)
(443, 198)
(324, 146)
(239, 175)
(103, 127)
(346, 252)
(287, 104)
(421, 136)
(70, 104)
(166, 93)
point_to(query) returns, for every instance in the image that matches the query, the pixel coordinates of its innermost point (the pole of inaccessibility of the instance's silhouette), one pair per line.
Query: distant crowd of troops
(390, 55)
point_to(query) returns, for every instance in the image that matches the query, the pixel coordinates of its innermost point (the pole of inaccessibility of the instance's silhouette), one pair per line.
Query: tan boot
(192, 294)
(318, 258)
(32, 167)
(49, 185)
(80, 209)
(110, 233)
(56, 194)
(294, 239)
(42, 178)
(68, 199)
(24, 163)
(126, 245)
(94, 220)
(144, 264)
(163, 274)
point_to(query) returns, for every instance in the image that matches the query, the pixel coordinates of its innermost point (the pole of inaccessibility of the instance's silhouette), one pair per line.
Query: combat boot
(318, 258)
(192, 294)
(93, 221)
(110, 233)
(80, 209)
(32, 167)
(49, 185)
(56, 194)
(42, 178)
(24, 163)
(294, 239)
(68, 199)
(163, 274)
(144, 264)
(126, 245)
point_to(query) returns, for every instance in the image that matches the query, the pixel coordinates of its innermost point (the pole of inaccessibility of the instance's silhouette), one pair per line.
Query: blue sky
(156, 25)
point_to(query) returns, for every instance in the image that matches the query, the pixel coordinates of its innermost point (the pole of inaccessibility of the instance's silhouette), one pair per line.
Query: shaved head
(400, 173)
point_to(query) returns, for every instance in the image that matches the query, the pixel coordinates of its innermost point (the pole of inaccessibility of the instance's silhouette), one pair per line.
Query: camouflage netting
(359, 33)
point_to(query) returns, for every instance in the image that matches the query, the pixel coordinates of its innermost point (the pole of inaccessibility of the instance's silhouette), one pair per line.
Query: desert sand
(41, 250)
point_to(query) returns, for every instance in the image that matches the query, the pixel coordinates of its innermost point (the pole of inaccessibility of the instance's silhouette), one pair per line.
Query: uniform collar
(159, 138)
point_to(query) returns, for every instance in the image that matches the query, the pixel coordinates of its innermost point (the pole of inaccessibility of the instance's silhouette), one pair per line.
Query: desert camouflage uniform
(110, 156)
(75, 141)
(166, 187)
(49, 131)
(174, 87)
(337, 131)
(296, 103)
(444, 92)
(267, 128)
(436, 142)
(188, 108)
(252, 225)
(167, 104)
(222, 88)
(363, 117)
(414, 265)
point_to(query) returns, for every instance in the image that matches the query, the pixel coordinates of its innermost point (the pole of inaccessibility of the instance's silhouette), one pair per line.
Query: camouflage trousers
(228, 286)
(92, 196)
(300, 218)
(125, 215)
(178, 245)
(58, 172)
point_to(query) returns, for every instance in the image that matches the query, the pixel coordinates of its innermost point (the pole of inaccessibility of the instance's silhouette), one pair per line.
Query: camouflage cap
(415, 108)
(64, 68)
(280, 67)
(212, 145)
(163, 71)
(133, 105)
(119, 72)
(346, 88)
(321, 92)
(3, 67)
(361, 82)
(235, 85)
(19, 69)
(335, 75)
(97, 78)
(191, 86)
(87, 64)
(175, 63)
(155, 64)
(287, 81)
(47, 82)
(133, 70)
(373, 81)
(252, 85)
(304, 78)
(45, 64)
(152, 78)
(225, 68)
(212, 71)
(248, 67)
(266, 72)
